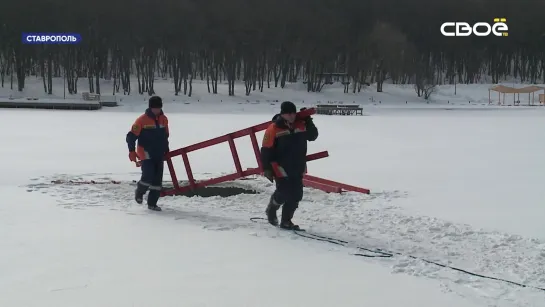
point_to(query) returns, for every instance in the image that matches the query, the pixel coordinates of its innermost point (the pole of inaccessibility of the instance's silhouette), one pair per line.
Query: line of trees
(269, 43)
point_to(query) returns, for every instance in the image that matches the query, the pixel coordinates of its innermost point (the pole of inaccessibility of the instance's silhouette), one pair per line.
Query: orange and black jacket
(284, 148)
(152, 134)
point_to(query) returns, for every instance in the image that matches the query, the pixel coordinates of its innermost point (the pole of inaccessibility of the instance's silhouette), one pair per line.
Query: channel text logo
(498, 28)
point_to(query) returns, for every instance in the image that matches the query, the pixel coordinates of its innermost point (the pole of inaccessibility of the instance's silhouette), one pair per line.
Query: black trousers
(289, 192)
(152, 179)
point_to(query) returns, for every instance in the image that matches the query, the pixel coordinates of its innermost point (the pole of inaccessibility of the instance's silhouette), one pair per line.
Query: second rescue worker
(151, 131)
(284, 160)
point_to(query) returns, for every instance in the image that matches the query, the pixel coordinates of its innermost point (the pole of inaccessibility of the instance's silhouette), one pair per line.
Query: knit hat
(155, 102)
(287, 107)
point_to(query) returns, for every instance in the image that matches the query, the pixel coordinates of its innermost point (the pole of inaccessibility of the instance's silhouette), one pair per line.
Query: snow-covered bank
(393, 96)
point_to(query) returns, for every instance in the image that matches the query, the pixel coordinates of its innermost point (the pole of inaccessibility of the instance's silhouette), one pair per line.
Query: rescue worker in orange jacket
(283, 156)
(151, 131)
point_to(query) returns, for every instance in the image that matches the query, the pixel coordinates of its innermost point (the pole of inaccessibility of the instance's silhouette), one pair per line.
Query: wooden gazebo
(530, 90)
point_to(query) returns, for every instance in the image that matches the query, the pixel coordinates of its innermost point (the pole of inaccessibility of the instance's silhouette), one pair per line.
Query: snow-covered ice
(458, 187)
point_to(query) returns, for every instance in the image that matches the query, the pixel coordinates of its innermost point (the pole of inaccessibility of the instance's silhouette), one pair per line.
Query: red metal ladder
(309, 181)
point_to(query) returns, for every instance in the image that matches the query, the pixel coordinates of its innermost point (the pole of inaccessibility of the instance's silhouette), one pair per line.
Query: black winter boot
(272, 207)
(287, 215)
(154, 208)
(138, 195)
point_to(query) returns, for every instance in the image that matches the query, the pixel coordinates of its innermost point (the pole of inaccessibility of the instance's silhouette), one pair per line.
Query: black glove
(269, 174)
